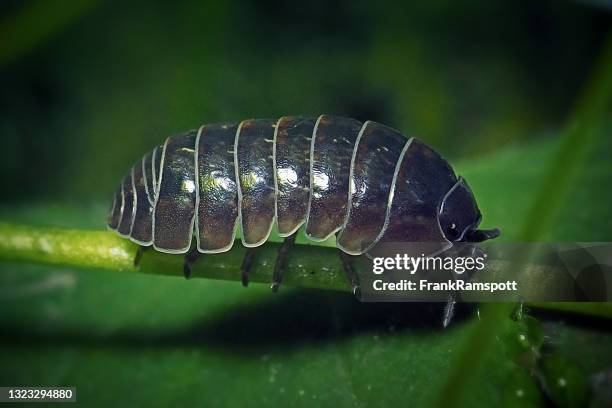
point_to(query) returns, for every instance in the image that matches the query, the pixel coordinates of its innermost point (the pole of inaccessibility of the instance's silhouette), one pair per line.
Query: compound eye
(452, 232)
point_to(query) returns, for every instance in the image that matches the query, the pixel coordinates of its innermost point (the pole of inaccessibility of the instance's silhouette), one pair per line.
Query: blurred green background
(88, 87)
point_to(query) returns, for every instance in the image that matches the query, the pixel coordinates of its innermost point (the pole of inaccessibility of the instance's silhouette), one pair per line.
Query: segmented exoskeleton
(364, 182)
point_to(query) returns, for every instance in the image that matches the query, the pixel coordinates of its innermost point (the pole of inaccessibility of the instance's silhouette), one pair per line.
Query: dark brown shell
(367, 183)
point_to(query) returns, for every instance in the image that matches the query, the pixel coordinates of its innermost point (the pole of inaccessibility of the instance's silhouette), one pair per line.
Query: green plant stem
(308, 266)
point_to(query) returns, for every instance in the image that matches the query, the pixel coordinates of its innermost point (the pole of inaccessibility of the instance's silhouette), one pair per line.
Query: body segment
(255, 177)
(292, 165)
(147, 170)
(330, 165)
(142, 226)
(174, 209)
(217, 193)
(422, 180)
(127, 206)
(374, 160)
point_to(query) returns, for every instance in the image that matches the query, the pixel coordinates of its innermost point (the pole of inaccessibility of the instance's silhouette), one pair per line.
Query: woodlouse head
(459, 216)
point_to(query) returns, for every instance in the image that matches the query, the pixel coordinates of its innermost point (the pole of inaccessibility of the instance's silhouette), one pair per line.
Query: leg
(190, 259)
(518, 313)
(449, 309)
(247, 264)
(138, 256)
(351, 273)
(281, 261)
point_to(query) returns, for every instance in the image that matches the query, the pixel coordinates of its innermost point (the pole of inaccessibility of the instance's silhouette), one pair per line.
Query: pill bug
(365, 182)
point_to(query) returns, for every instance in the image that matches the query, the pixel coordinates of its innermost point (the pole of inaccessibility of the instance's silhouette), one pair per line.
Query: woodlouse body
(365, 182)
